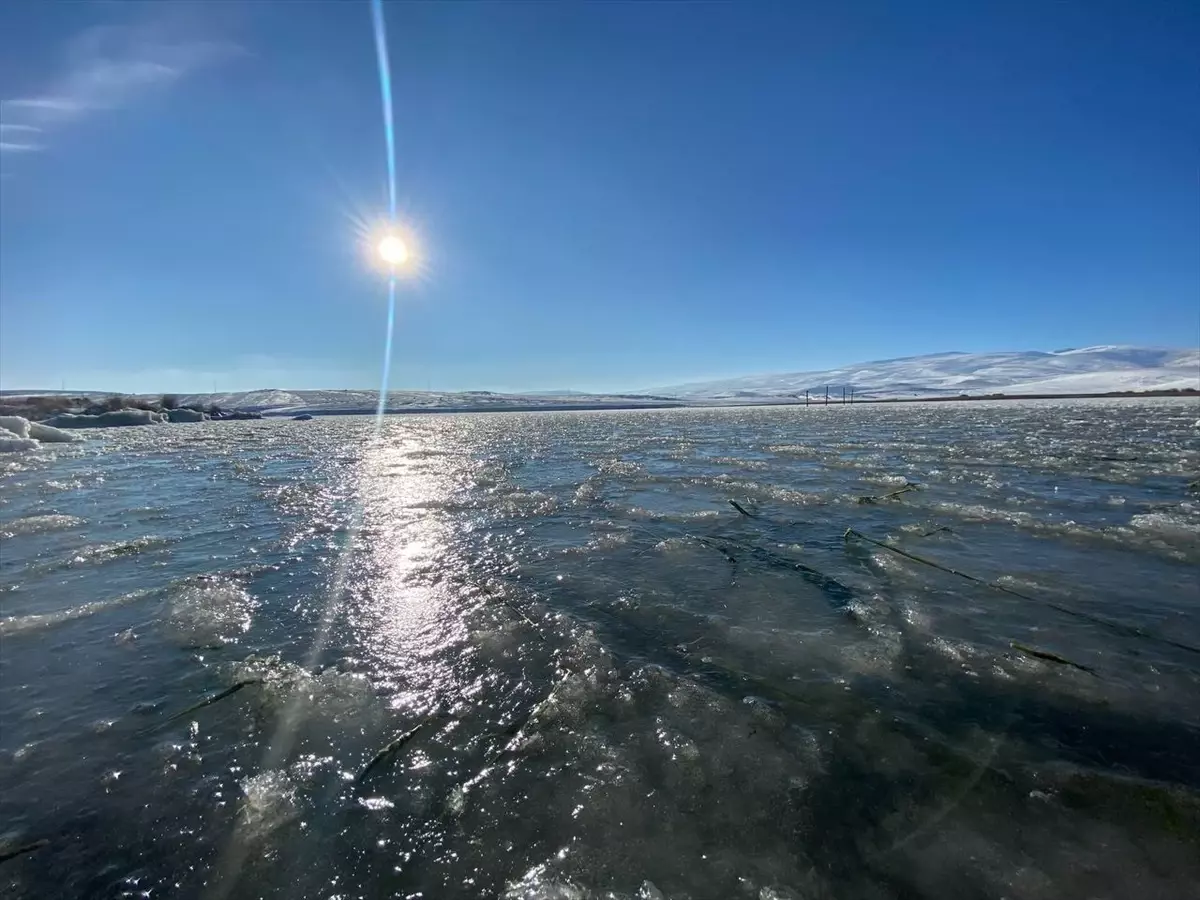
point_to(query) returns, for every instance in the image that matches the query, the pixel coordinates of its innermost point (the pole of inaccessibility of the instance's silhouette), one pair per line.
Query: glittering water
(625, 686)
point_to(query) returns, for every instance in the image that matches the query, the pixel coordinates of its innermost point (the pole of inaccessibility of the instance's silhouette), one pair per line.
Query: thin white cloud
(18, 138)
(43, 104)
(106, 68)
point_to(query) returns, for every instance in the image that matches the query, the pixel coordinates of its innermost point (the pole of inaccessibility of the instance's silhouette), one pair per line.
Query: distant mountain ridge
(1098, 369)
(1081, 370)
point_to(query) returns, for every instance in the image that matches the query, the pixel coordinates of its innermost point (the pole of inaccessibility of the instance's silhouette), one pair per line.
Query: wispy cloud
(104, 68)
(19, 138)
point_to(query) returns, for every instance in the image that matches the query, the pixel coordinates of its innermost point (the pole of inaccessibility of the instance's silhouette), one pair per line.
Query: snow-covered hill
(1085, 370)
(1090, 370)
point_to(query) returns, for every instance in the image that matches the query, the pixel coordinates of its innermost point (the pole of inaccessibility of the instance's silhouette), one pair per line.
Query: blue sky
(605, 196)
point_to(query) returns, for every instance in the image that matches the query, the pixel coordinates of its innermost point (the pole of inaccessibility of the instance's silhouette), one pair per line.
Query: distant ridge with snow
(1084, 370)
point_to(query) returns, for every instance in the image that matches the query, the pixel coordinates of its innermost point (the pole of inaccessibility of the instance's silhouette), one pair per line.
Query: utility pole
(806, 397)
(826, 395)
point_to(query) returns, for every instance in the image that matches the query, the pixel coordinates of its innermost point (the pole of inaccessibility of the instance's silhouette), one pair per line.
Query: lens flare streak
(389, 133)
(387, 355)
(230, 864)
(385, 89)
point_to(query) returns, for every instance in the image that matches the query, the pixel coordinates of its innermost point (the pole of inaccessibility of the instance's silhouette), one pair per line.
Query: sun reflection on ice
(405, 599)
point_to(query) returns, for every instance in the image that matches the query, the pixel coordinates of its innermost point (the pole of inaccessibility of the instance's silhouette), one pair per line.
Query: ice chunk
(17, 425)
(120, 417)
(185, 415)
(48, 434)
(11, 442)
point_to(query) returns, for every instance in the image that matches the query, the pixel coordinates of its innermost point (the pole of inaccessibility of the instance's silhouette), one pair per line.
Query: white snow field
(1085, 370)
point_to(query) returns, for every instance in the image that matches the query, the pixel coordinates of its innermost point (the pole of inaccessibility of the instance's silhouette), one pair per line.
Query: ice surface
(622, 698)
(211, 611)
(270, 800)
(40, 523)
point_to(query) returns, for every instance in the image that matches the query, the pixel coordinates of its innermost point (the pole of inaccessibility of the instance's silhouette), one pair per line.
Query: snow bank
(119, 418)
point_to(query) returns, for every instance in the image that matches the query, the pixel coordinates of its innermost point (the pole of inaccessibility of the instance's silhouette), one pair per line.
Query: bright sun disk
(393, 251)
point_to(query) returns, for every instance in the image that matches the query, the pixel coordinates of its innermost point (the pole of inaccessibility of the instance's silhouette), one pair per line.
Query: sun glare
(393, 251)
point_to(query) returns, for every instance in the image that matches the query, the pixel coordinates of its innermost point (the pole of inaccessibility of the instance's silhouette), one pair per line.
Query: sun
(393, 251)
